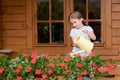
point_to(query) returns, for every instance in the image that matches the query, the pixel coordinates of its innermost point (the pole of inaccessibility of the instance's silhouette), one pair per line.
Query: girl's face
(76, 23)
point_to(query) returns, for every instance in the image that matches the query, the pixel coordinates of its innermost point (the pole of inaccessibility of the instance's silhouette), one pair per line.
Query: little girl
(80, 28)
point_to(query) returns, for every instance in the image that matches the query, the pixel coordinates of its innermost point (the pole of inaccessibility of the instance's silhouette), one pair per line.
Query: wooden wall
(14, 24)
(116, 24)
(0, 24)
(17, 28)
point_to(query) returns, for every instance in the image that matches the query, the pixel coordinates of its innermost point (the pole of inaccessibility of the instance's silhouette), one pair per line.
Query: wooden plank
(15, 17)
(108, 24)
(115, 1)
(115, 7)
(15, 47)
(116, 47)
(116, 32)
(116, 40)
(30, 21)
(115, 24)
(13, 2)
(116, 16)
(14, 33)
(13, 10)
(14, 25)
(106, 51)
(14, 41)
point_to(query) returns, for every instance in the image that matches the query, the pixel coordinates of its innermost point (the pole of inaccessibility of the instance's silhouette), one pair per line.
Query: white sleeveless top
(75, 32)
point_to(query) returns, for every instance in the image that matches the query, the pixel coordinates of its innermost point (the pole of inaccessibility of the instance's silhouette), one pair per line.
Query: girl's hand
(85, 31)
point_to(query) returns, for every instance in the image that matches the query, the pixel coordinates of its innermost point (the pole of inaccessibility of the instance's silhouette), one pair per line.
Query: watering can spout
(84, 44)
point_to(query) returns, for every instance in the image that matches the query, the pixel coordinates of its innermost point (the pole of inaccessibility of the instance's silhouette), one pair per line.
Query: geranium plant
(31, 66)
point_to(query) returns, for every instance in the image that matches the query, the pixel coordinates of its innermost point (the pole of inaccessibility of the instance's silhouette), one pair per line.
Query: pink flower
(19, 78)
(26, 55)
(44, 76)
(51, 64)
(92, 54)
(66, 59)
(38, 78)
(47, 57)
(20, 66)
(78, 65)
(84, 73)
(42, 55)
(111, 66)
(17, 71)
(33, 61)
(1, 70)
(102, 69)
(62, 65)
(33, 52)
(50, 71)
(66, 71)
(28, 69)
(79, 78)
(37, 71)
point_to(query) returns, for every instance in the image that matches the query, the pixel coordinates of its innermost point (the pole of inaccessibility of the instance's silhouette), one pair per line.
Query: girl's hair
(76, 15)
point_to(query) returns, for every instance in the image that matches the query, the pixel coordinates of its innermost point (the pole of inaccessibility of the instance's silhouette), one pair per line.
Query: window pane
(42, 10)
(97, 29)
(57, 10)
(57, 33)
(80, 5)
(94, 9)
(43, 33)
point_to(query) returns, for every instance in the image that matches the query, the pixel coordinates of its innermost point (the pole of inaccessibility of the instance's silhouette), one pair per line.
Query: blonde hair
(75, 15)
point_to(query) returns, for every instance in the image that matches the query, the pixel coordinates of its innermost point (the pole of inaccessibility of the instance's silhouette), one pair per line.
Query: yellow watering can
(84, 44)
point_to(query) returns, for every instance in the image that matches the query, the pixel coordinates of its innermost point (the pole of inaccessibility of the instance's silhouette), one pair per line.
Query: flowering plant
(31, 66)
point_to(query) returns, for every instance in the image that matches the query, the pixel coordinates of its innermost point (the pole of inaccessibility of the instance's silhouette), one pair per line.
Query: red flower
(47, 57)
(66, 71)
(78, 65)
(33, 52)
(26, 55)
(66, 59)
(33, 61)
(50, 71)
(51, 64)
(19, 78)
(84, 73)
(92, 54)
(38, 72)
(111, 66)
(79, 78)
(17, 71)
(38, 78)
(102, 69)
(28, 69)
(42, 55)
(1, 70)
(44, 76)
(62, 65)
(20, 66)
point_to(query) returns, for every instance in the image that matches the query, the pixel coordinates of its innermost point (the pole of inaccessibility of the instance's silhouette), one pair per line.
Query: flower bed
(31, 66)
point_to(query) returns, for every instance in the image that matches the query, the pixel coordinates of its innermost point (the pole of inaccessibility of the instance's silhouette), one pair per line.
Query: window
(50, 22)
(91, 11)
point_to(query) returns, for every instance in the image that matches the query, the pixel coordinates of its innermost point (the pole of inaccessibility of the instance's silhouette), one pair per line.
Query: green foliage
(31, 66)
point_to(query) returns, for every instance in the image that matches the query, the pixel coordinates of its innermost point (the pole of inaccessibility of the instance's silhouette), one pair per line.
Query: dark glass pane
(42, 10)
(43, 32)
(94, 9)
(80, 5)
(57, 10)
(57, 33)
(97, 29)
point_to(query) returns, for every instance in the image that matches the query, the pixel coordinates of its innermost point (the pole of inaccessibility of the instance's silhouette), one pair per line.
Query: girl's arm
(91, 34)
